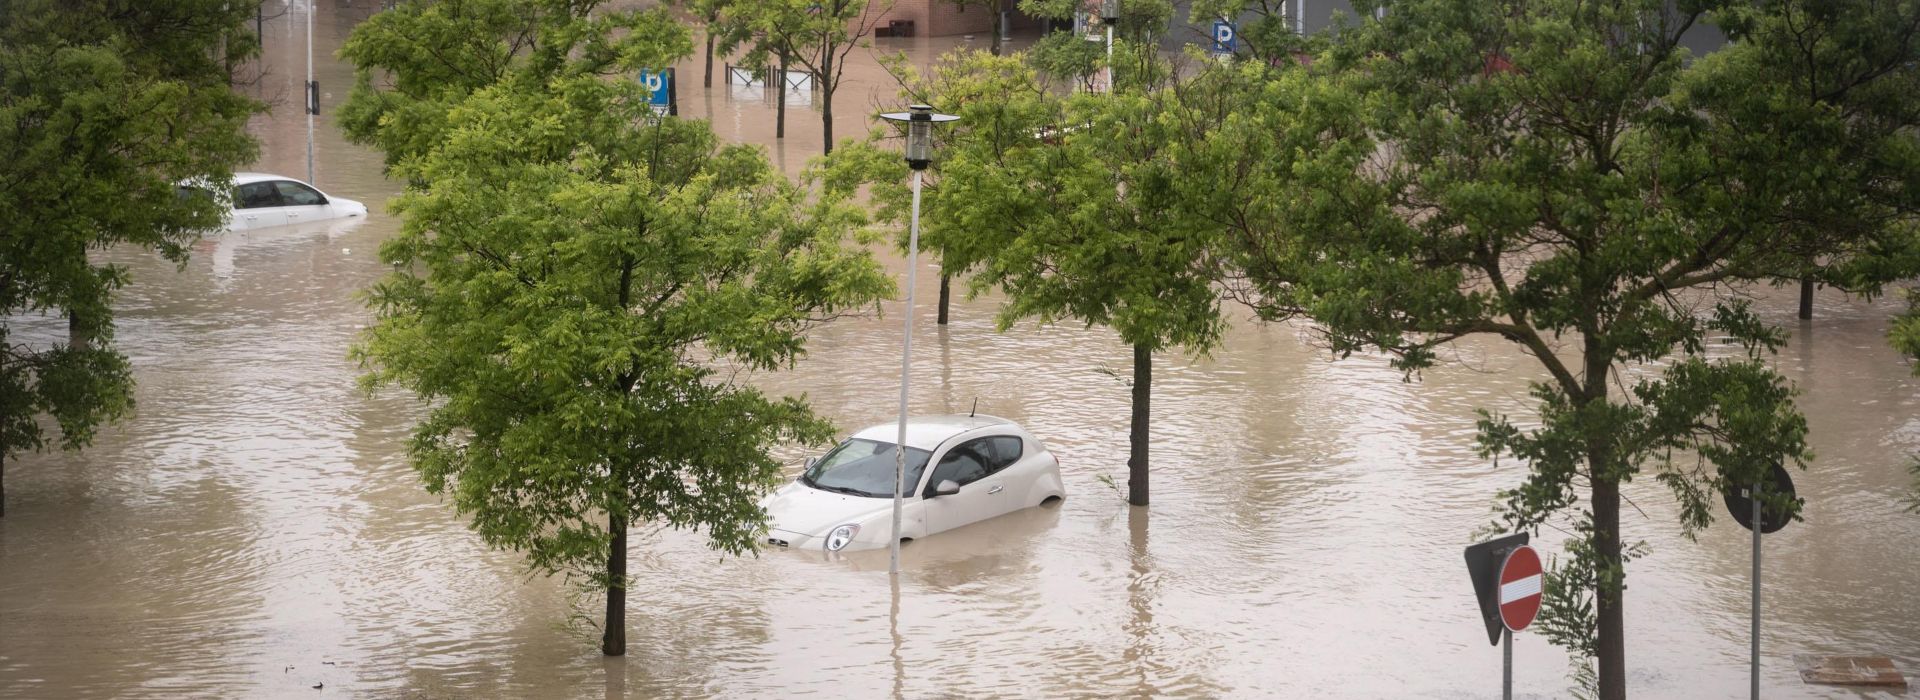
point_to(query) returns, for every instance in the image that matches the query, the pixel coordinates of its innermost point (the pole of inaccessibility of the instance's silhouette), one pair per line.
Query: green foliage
(1140, 20)
(1559, 175)
(1065, 56)
(1091, 208)
(1069, 205)
(104, 105)
(1905, 331)
(578, 285)
(418, 62)
(1264, 31)
(1137, 59)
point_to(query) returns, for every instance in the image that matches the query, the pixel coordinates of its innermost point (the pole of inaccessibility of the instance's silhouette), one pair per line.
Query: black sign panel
(1739, 499)
(1483, 564)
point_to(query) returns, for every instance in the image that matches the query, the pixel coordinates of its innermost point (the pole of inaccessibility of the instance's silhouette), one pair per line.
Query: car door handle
(997, 488)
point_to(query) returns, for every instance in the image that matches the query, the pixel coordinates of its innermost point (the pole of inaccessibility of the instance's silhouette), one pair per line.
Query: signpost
(1520, 579)
(1224, 39)
(1743, 503)
(660, 91)
(1507, 580)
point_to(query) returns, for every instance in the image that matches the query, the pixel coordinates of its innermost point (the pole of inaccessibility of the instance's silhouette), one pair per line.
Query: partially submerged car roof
(244, 178)
(927, 432)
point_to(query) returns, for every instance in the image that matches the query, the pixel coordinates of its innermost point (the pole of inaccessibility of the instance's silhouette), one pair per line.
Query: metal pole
(313, 96)
(1755, 495)
(906, 356)
(1110, 89)
(1506, 665)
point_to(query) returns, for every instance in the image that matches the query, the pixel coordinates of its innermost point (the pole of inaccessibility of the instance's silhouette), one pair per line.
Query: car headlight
(841, 537)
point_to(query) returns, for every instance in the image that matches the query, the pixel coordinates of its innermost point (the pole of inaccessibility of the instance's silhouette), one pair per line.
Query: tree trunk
(1609, 594)
(708, 81)
(1806, 299)
(826, 101)
(780, 99)
(1137, 436)
(3, 460)
(945, 293)
(76, 332)
(614, 641)
(1609, 599)
(999, 19)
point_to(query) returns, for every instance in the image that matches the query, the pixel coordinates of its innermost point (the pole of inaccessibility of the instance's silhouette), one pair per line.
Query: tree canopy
(104, 106)
(580, 283)
(1564, 176)
(1076, 207)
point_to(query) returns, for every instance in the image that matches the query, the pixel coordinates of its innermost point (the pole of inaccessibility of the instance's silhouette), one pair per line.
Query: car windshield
(864, 468)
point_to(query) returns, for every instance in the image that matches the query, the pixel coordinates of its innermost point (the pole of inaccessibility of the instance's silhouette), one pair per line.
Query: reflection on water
(255, 531)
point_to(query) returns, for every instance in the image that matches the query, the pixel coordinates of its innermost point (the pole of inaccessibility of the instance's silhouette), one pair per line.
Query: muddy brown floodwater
(255, 530)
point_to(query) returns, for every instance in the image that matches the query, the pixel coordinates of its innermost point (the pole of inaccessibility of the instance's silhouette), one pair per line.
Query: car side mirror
(810, 462)
(946, 487)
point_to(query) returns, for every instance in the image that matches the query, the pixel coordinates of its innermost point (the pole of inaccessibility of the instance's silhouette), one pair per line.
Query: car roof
(927, 432)
(245, 178)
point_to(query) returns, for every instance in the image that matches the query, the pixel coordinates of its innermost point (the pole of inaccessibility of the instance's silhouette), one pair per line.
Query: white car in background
(983, 467)
(261, 200)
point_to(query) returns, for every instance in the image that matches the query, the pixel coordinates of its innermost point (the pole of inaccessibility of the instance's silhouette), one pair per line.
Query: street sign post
(1507, 580)
(1520, 586)
(1744, 504)
(1223, 36)
(660, 91)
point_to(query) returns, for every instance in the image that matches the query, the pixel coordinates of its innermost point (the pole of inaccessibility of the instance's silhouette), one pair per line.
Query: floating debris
(1849, 670)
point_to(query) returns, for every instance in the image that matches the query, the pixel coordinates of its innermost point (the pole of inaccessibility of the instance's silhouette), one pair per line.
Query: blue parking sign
(659, 88)
(1223, 37)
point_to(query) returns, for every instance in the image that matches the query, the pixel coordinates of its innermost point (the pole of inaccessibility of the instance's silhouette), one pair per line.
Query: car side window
(964, 464)
(255, 195)
(296, 194)
(1006, 451)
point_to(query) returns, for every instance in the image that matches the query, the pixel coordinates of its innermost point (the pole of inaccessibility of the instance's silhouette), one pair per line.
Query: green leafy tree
(1905, 336)
(104, 106)
(578, 284)
(1559, 175)
(1264, 29)
(1069, 205)
(816, 34)
(1905, 331)
(709, 12)
(1136, 55)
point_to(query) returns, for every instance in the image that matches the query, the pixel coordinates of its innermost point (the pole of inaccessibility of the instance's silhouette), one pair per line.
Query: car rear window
(1007, 449)
(294, 194)
(255, 195)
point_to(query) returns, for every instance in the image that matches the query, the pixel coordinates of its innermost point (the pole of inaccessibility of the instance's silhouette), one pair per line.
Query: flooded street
(255, 531)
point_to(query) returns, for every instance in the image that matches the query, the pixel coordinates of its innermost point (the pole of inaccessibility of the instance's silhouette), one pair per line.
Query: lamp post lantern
(919, 120)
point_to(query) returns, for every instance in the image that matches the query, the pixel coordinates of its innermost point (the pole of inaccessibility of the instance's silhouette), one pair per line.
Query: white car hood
(801, 509)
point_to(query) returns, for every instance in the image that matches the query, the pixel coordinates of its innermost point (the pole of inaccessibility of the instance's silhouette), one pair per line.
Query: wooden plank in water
(1849, 670)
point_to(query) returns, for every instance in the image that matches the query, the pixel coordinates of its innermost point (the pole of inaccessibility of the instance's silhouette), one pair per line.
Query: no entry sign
(1520, 579)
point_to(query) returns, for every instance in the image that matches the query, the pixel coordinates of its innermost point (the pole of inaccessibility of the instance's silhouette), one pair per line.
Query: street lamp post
(919, 120)
(1109, 16)
(313, 93)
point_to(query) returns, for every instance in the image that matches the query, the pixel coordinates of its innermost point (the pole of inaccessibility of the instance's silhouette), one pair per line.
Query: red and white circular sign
(1520, 580)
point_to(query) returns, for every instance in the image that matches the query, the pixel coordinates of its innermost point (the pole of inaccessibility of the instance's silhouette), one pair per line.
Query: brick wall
(943, 18)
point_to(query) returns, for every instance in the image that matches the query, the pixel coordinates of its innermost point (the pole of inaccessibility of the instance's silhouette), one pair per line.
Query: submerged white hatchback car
(983, 467)
(260, 200)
